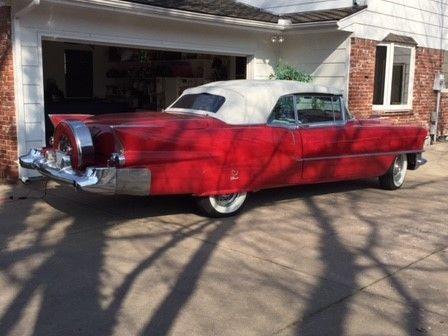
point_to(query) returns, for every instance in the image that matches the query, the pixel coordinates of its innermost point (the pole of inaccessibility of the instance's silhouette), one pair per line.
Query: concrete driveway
(335, 259)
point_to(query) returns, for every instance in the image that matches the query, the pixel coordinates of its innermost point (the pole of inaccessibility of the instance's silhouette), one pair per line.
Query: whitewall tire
(222, 205)
(395, 176)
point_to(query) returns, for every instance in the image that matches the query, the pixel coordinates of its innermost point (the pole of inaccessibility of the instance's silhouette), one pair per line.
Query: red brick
(361, 84)
(8, 136)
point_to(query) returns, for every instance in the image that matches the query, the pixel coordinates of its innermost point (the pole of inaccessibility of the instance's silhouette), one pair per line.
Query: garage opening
(99, 79)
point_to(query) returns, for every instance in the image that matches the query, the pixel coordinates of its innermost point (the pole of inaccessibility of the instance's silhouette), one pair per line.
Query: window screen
(202, 102)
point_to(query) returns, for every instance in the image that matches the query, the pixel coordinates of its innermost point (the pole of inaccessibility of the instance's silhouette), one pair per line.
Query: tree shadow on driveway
(67, 273)
(69, 278)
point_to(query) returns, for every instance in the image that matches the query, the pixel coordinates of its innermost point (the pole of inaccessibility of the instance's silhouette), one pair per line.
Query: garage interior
(98, 79)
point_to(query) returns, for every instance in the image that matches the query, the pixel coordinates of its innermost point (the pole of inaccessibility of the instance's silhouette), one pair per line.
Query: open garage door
(99, 79)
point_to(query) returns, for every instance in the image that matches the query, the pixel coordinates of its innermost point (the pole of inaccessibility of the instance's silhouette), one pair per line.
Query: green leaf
(287, 72)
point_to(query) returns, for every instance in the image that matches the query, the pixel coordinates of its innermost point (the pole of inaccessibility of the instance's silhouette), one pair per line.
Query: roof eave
(160, 12)
(186, 16)
(344, 23)
(309, 26)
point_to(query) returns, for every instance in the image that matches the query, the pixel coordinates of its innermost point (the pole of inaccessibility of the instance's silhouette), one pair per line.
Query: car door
(322, 131)
(284, 169)
(367, 150)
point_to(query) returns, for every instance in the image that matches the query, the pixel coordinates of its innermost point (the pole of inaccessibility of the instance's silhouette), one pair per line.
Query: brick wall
(428, 62)
(8, 136)
(362, 75)
(361, 84)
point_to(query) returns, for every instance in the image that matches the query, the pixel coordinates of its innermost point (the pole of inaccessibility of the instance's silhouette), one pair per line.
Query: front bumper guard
(102, 180)
(416, 161)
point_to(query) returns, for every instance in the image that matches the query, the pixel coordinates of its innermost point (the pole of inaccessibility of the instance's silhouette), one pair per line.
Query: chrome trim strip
(101, 180)
(84, 142)
(347, 156)
(117, 159)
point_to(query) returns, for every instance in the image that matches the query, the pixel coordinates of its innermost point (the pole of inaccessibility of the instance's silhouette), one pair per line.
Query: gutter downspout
(31, 5)
(439, 84)
(436, 122)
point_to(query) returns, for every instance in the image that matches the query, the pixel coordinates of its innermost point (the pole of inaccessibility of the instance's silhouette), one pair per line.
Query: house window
(394, 73)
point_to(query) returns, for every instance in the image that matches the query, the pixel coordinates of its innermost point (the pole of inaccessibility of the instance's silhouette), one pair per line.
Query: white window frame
(444, 71)
(388, 79)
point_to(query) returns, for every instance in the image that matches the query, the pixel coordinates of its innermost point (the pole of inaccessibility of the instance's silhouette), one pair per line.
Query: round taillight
(73, 138)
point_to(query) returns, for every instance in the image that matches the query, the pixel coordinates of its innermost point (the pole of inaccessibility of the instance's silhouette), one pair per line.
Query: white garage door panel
(34, 112)
(33, 144)
(34, 131)
(28, 37)
(30, 56)
(32, 94)
(31, 75)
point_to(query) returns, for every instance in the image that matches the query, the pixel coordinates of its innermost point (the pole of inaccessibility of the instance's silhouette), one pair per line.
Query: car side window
(318, 109)
(283, 112)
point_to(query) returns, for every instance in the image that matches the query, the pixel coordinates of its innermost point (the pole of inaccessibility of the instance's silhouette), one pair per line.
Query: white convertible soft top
(249, 101)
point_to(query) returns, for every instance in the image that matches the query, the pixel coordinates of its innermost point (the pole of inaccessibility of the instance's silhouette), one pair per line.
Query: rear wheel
(395, 176)
(222, 205)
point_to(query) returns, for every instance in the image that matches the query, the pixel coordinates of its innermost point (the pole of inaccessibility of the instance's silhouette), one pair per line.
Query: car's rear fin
(56, 119)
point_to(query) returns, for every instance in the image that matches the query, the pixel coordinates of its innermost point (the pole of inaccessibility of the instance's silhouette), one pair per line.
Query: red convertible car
(222, 140)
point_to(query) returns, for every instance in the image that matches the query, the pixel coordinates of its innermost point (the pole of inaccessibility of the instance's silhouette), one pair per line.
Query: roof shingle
(234, 9)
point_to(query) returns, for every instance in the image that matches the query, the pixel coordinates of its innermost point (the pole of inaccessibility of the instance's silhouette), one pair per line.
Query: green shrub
(288, 72)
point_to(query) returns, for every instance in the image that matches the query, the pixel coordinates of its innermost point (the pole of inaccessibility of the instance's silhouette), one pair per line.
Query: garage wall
(325, 56)
(87, 25)
(319, 54)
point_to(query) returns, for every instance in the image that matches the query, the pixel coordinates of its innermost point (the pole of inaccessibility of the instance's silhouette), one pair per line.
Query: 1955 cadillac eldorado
(222, 140)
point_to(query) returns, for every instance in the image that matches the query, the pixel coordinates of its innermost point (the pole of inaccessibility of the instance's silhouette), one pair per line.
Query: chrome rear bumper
(102, 180)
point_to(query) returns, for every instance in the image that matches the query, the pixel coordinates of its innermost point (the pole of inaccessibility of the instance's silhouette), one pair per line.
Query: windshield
(201, 102)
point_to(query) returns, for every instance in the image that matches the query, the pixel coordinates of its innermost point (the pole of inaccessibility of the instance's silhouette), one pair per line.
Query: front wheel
(394, 177)
(222, 205)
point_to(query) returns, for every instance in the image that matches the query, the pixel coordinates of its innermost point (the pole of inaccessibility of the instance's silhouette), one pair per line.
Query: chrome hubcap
(226, 200)
(399, 170)
(227, 203)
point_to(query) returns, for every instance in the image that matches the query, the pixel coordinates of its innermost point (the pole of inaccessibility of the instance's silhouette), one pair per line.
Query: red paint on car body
(200, 155)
